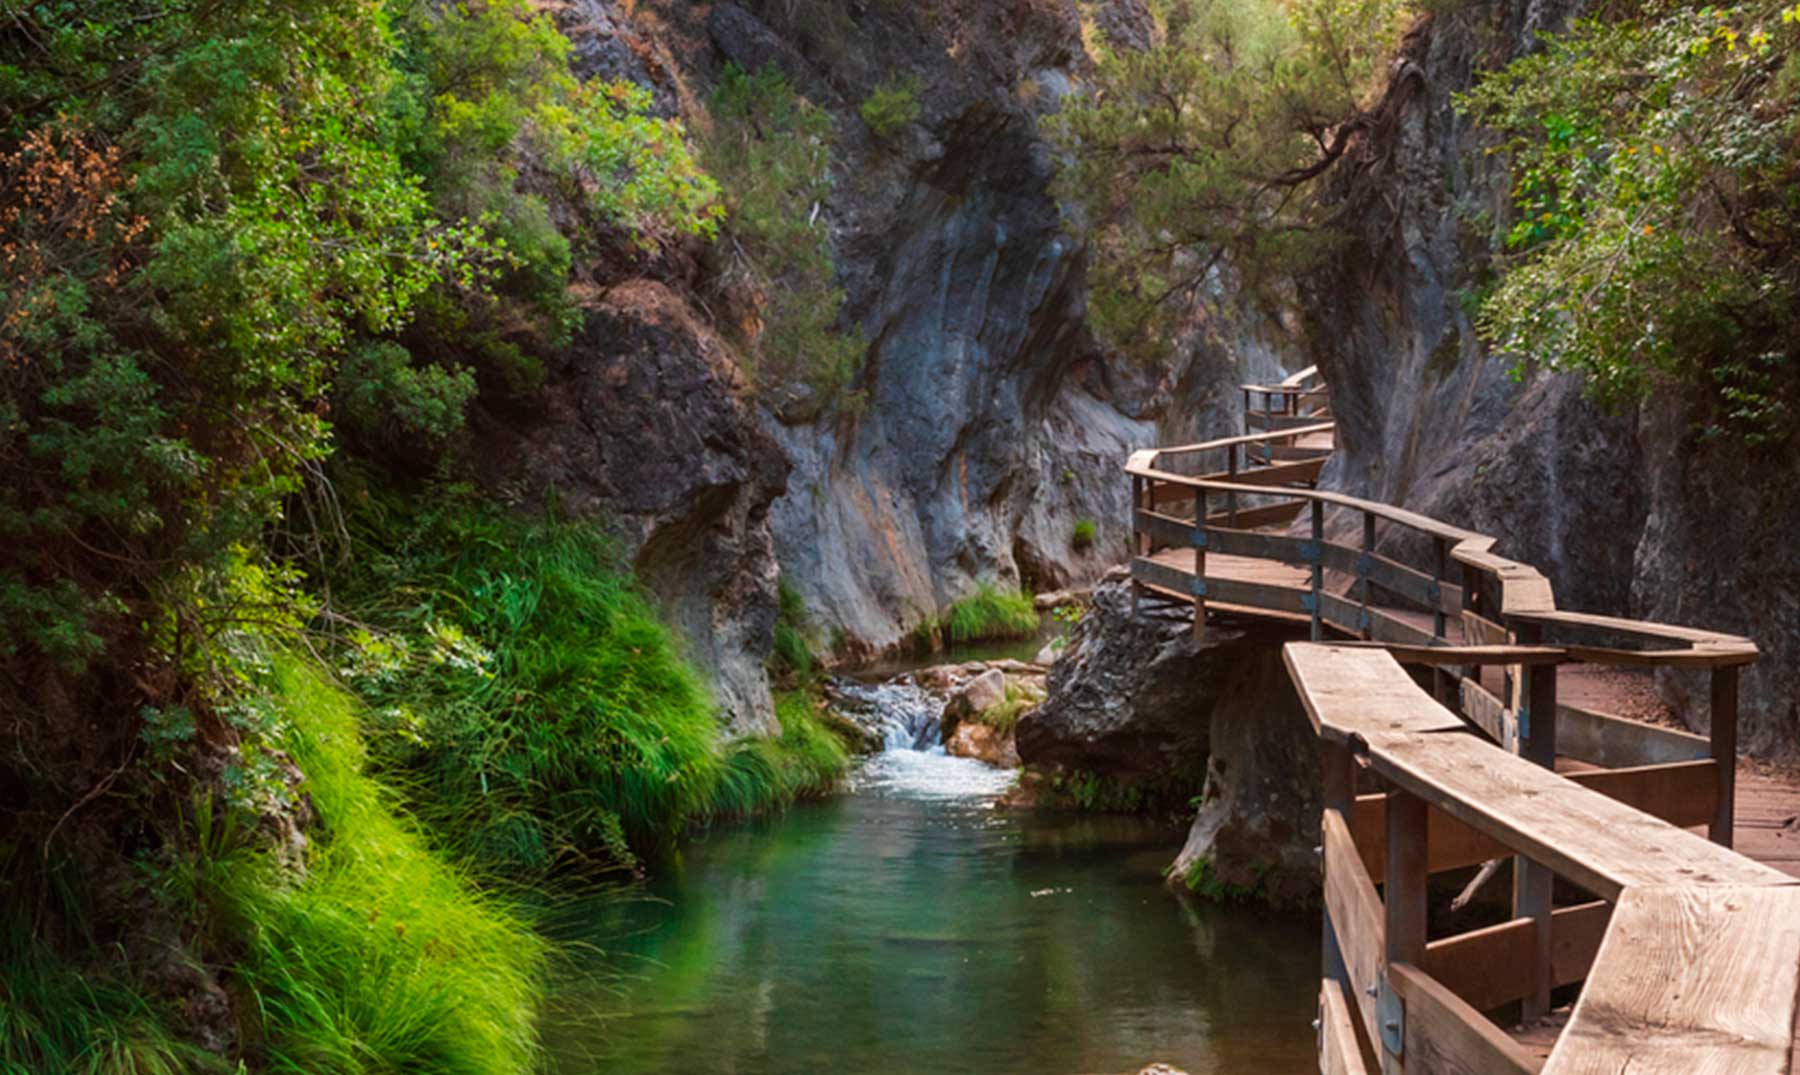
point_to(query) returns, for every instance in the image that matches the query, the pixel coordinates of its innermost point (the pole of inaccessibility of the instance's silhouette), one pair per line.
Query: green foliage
(527, 697)
(379, 958)
(891, 108)
(772, 152)
(57, 1016)
(1657, 233)
(229, 221)
(793, 654)
(1200, 154)
(990, 612)
(807, 759)
(1083, 535)
(1004, 715)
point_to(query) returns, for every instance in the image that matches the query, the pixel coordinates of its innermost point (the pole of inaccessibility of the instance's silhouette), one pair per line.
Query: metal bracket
(1197, 538)
(1198, 587)
(1365, 566)
(1364, 621)
(1435, 595)
(1309, 602)
(1524, 718)
(1390, 1014)
(1309, 552)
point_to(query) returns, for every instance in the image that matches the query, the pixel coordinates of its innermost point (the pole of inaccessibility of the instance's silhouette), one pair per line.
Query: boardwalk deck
(1538, 733)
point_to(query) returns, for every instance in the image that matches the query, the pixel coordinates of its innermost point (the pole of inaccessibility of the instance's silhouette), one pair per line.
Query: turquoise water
(910, 926)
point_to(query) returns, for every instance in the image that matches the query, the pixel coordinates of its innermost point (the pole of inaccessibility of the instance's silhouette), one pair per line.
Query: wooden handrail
(1697, 968)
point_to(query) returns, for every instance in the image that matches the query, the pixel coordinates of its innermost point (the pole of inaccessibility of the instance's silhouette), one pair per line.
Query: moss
(1203, 879)
(1082, 537)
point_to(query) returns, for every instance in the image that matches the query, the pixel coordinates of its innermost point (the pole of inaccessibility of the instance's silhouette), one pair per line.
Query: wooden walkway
(1466, 720)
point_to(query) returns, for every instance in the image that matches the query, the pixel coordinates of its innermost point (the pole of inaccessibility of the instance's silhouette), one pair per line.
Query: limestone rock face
(1628, 514)
(640, 427)
(1259, 815)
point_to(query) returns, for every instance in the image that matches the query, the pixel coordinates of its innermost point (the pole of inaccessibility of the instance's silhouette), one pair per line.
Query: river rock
(973, 739)
(982, 693)
(1131, 694)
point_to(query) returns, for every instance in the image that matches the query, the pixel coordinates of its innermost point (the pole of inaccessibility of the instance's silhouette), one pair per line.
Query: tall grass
(61, 1018)
(991, 612)
(540, 715)
(380, 958)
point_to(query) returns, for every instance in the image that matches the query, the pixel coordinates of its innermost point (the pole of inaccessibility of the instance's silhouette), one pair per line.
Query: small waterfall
(913, 763)
(906, 715)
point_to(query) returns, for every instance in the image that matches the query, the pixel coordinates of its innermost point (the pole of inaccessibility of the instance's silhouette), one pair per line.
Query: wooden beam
(1489, 967)
(1723, 747)
(1439, 656)
(1305, 471)
(1602, 739)
(1681, 794)
(1339, 1051)
(1690, 980)
(1405, 898)
(1445, 1036)
(1279, 514)
(1356, 917)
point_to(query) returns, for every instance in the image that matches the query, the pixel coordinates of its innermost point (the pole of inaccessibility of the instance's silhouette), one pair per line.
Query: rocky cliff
(1628, 513)
(991, 419)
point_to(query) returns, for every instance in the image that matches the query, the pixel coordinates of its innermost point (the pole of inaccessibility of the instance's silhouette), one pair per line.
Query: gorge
(615, 535)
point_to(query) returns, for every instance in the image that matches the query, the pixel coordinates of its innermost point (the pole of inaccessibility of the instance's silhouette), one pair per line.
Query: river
(910, 926)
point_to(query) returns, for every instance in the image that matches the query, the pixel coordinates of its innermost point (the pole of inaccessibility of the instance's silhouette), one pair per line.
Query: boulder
(1131, 695)
(978, 695)
(973, 739)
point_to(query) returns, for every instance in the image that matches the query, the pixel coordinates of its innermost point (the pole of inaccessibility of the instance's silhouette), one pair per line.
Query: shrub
(1656, 237)
(891, 107)
(1082, 537)
(1004, 715)
(772, 152)
(990, 612)
(526, 695)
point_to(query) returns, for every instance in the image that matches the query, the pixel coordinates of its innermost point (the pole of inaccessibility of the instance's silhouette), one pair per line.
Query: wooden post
(1139, 541)
(1318, 567)
(1198, 541)
(1365, 584)
(1442, 573)
(1724, 722)
(1246, 412)
(1404, 895)
(1337, 770)
(1231, 471)
(1533, 884)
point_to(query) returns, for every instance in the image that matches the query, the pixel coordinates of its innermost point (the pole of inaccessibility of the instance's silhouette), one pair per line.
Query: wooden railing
(1689, 953)
(1467, 776)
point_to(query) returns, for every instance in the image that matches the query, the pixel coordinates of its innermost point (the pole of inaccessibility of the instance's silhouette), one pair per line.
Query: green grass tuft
(806, 761)
(1083, 536)
(793, 654)
(891, 107)
(1003, 716)
(380, 958)
(990, 612)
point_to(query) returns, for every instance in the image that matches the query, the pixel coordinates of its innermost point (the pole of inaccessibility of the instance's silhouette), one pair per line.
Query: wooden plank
(1240, 542)
(1489, 968)
(1256, 594)
(1356, 916)
(1600, 739)
(1164, 530)
(1681, 794)
(1339, 1052)
(1306, 470)
(1279, 514)
(1487, 712)
(1483, 630)
(1689, 981)
(1445, 1036)
(1439, 656)
(1163, 576)
(1384, 626)
(1366, 699)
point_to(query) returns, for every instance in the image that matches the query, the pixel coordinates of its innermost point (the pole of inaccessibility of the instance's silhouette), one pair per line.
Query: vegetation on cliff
(270, 733)
(1657, 232)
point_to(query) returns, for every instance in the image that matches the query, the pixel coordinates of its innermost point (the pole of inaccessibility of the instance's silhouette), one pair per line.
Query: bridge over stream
(1438, 678)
